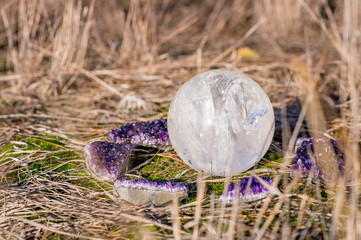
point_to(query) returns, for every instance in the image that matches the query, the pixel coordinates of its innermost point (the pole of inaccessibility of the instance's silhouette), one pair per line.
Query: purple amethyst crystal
(299, 142)
(256, 191)
(304, 162)
(107, 161)
(143, 192)
(150, 134)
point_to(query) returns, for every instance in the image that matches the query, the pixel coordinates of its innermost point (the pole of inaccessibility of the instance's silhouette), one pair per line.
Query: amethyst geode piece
(143, 192)
(149, 134)
(107, 161)
(256, 191)
(306, 157)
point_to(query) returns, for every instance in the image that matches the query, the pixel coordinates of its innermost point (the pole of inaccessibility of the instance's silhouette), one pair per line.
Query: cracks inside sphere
(221, 122)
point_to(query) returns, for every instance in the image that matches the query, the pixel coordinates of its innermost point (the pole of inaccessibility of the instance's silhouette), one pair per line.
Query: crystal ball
(221, 122)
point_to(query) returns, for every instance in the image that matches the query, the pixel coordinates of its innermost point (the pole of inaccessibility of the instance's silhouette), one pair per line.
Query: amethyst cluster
(256, 191)
(107, 161)
(150, 134)
(305, 155)
(145, 193)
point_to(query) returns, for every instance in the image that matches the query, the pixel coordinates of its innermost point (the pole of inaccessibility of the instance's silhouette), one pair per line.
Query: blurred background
(122, 61)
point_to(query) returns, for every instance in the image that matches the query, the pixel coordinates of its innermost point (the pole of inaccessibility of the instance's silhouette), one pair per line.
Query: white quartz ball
(221, 122)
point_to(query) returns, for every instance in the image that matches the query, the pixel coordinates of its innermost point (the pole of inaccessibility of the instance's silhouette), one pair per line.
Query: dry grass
(72, 69)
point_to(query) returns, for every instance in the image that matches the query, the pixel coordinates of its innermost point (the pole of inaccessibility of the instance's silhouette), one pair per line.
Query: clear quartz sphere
(221, 122)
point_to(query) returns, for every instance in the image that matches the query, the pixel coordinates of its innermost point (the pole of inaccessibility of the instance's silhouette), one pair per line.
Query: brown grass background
(80, 68)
